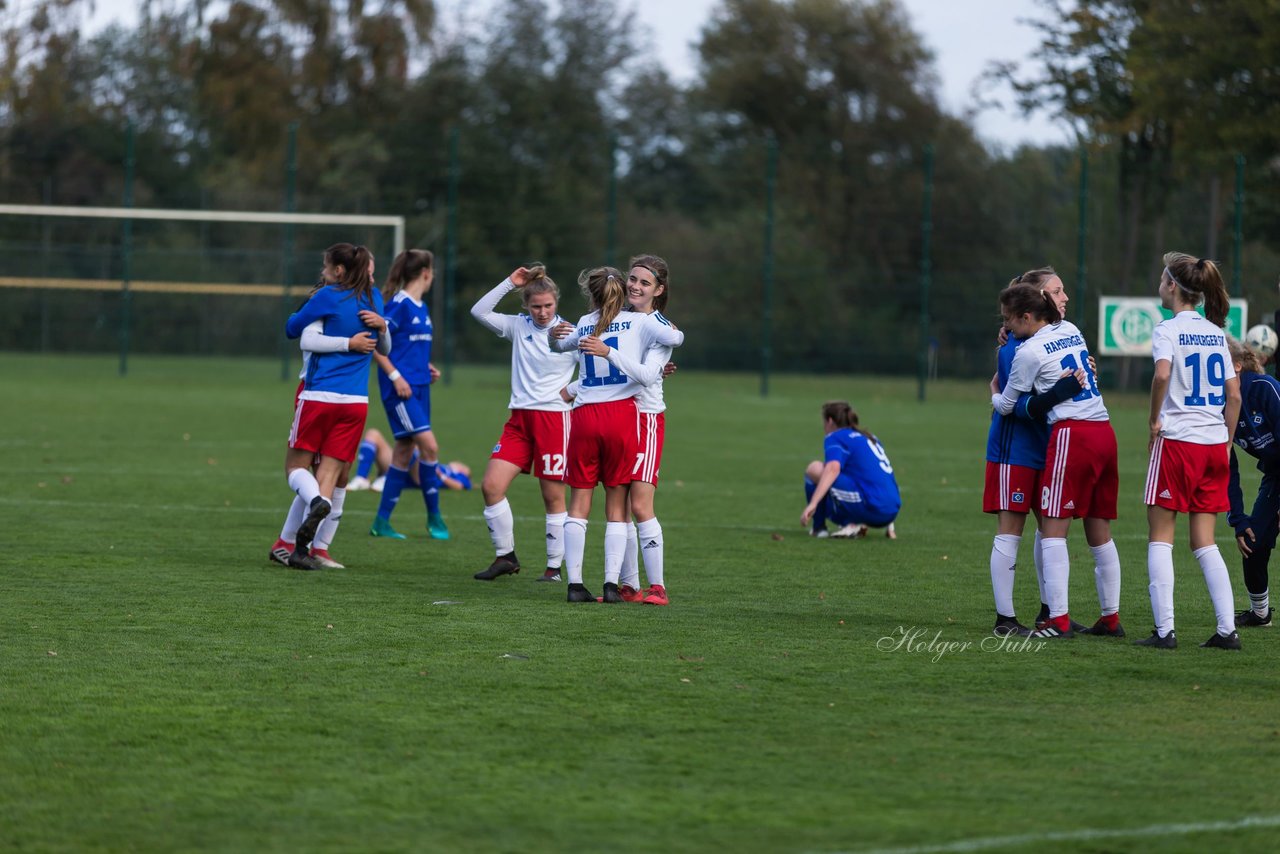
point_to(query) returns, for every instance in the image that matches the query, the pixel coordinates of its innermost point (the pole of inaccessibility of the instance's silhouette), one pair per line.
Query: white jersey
(1200, 366)
(1039, 364)
(625, 372)
(537, 372)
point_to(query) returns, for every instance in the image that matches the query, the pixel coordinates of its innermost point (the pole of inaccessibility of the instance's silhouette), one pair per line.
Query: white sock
(652, 548)
(575, 543)
(1219, 582)
(293, 519)
(1106, 576)
(1057, 573)
(329, 526)
(1037, 554)
(304, 484)
(502, 527)
(1004, 555)
(631, 560)
(1260, 602)
(615, 543)
(555, 539)
(1160, 573)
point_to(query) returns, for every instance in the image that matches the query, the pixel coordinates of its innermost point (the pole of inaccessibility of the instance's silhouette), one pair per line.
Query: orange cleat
(656, 595)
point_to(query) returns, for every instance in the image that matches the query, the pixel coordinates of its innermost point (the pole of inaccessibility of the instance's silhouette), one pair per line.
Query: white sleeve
(384, 341)
(646, 373)
(315, 341)
(572, 388)
(483, 310)
(657, 332)
(566, 344)
(1162, 343)
(1022, 377)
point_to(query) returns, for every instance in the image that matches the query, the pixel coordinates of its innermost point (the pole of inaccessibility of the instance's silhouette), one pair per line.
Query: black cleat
(1051, 632)
(280, 555)
(1078, 627)
(610, 594)
(507, 564)
(549, 575)
(1169, 641)
(579, 593)
(301, 560)
(1231, 641)
(1007, 626)
(1100, 629)
(1249, 619)
(307, 530)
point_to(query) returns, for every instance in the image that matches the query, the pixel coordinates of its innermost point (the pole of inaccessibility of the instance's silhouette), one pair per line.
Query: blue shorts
(409, 415)
(846, 507)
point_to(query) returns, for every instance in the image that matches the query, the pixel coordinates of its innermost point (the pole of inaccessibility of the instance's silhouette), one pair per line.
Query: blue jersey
(864, 469)
(336, 377)
(1014, 440)
(409, 323)
(1257, 433)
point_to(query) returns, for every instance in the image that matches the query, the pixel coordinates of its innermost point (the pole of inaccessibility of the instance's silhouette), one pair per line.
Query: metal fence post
(926, 267)
(286, 249)
(766, 307)
(451, 255)
(126, 249)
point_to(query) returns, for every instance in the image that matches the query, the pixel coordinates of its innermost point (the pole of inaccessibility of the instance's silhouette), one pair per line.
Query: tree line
(567, 130)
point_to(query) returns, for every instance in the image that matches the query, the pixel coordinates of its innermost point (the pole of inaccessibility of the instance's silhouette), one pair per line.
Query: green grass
(165, 688)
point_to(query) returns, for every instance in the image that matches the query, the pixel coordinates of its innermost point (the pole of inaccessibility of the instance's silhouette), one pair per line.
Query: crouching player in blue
(1258, 434)
(334, 400)
(855, 488)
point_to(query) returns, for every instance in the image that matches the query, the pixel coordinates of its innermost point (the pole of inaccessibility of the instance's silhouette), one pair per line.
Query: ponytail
(1198, 279)
(354, 261)
(408, 266)
(603, 286)
(538, 282)
(1020, 299)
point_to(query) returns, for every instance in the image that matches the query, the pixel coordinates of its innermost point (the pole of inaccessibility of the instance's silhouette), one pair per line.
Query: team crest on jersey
(497, 447)
(1018, 497)
(1257, 419)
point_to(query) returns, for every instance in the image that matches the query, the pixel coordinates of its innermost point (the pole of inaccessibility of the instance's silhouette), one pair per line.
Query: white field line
(1085, 835)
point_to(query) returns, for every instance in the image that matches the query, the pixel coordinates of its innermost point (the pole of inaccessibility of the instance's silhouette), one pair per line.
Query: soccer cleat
(1250, 618)
(321, 556)
(1231, 641)
(550, 575)
(506, 564)
(891, 532)
(656, 595)
(611, 595)
(376, 486)
(301, 560)
(852, 531)
(1077, 627)
(280, 552)
(436, 527)
(630, 594)
(357, 484)
(382, 528)
(1055, 628)
(1006, 626)
(821, 533)
(579, 593)
(1104, 629)
(316, 514)
(1169, 641)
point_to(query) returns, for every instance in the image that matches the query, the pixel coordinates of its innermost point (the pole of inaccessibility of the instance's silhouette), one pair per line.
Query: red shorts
(603, 444)
(1010, 487)
(1081, 478)
(328, 429)
(653, 429)
(1188, 478)
(535, 439)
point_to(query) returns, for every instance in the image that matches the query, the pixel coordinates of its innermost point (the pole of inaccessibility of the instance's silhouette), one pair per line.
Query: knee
(492, 492)
(814, 471)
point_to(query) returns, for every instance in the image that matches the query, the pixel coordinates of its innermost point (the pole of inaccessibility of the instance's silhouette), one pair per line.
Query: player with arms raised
(1195, 399)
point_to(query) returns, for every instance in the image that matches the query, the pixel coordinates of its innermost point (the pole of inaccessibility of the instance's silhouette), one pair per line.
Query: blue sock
(819, 515)
(391, 489)
(430, 480)
(364, 460)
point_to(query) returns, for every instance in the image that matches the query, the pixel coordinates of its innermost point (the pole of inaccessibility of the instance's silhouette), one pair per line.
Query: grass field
(165, 688)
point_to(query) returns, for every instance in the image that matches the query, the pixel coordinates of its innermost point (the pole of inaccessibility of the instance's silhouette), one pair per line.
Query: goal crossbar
(396, 222)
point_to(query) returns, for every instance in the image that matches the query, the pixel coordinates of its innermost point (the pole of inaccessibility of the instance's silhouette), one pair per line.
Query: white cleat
(322, 558)
(890, 532)
(376, 486)
(357, 484)
(852, 531)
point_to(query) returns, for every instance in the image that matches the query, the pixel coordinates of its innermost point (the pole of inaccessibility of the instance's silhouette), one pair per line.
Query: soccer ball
(1262, 340)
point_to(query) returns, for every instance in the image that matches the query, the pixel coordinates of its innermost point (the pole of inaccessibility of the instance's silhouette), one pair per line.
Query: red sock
(1062, 623)
(1111, 620)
